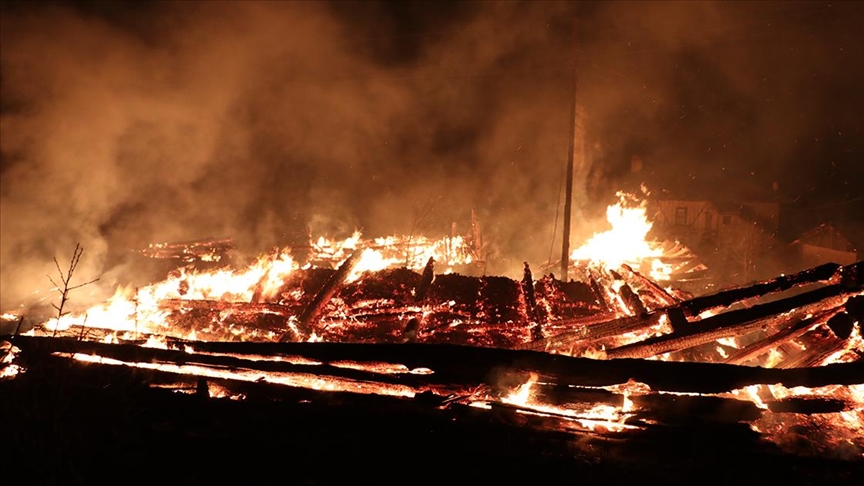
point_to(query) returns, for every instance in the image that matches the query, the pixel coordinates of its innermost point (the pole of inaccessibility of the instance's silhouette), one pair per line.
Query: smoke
(125, 124)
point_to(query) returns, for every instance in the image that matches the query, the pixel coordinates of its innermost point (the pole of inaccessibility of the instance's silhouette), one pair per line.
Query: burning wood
(465, 345)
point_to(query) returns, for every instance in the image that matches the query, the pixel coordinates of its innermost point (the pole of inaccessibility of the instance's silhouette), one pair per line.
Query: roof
(826, 236)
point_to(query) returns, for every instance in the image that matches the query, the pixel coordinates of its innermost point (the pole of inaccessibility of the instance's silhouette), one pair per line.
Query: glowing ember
(595, 418)
(300, 380)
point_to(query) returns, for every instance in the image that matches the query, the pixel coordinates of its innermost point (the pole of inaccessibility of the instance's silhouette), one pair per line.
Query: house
(734, 239)
(823, 244)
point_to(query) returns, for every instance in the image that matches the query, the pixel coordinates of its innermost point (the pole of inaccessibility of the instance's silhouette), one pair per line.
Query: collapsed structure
(599, 366)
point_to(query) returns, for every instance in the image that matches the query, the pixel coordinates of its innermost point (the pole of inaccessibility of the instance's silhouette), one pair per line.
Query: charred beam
(808, 405)
(313, 311)
(531, 312)
(684, 410)
(634, 303)
(628, 296)
(658, 292)
(528, 293)
(591, 332)
(788, 334)
(468, 364)
(822, 273)
(180, 305)
(816, 354)
(735, 324)
(425, 281)
(598, 293)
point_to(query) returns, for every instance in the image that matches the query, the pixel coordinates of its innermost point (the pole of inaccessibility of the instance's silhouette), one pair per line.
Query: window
(680, 216)
(709, 221)
(727, 218)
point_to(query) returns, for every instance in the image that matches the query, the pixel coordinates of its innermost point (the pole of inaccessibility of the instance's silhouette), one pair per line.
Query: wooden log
(587, 320)
(471, 365)
(425, 281)
(736, 323)
(182, 305)
(599, 295)
(685, 410)
(634, 303)
(808, 405)
(664, 408)
(841, 325)
(631, 301)
(595, 331)
(528, 294)
(658, 292)
(790, 333)
(828, 272)
(816, 354)
(84, 421)
(313, 311)
(824, 341)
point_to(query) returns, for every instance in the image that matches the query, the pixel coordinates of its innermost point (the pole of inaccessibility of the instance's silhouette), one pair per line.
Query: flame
(300, 380)
(8, 353)
(138, 310)
(626, 241)
(412, 252)
(596, 418)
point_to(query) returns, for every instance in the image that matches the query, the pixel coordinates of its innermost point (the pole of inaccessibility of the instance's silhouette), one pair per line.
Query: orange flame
(626, 241)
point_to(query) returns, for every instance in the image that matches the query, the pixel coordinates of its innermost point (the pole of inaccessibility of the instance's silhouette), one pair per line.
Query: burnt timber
(68, 421)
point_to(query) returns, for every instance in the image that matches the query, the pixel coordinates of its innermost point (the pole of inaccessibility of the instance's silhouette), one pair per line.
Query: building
(737, 241)
(822, 244)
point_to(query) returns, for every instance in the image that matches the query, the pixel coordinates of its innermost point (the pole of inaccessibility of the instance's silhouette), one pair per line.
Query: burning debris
(611, 356)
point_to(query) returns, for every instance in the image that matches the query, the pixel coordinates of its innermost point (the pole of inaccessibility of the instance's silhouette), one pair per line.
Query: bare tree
(66, 279)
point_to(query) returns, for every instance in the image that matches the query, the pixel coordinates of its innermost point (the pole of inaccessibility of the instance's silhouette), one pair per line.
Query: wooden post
(568, 200)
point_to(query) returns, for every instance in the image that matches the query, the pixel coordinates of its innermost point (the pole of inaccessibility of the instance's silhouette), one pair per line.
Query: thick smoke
(125, 124)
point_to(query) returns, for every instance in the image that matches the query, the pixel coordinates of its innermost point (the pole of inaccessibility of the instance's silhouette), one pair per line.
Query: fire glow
(626, 241)
(629, 315)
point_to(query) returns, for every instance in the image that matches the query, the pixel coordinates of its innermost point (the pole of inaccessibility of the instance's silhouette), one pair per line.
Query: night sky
(127, 123)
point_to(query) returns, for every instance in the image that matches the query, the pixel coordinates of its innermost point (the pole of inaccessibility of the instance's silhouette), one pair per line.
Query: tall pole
(568, 199)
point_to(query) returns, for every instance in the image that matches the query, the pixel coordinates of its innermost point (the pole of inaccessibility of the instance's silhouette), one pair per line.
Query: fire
(626, 241)
(8, 353)
(299, 380)
(412, 252)
(596, 417)
(138, 310)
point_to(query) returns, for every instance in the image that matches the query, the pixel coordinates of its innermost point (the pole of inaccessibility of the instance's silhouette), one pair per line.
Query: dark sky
(126, 123)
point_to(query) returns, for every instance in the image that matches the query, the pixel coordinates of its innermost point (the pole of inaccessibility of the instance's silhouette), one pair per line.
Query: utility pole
(568, 200)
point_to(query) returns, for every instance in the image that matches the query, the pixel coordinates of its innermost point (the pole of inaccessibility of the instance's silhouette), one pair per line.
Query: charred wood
(634, 304)
(808, 405)
(528, 294)
(599, 294)
(842, 325)
(595, 331)
(313, 311)
(425, 281)
(684, 409)
(823, 273)
(816, 354)
(464, 364)
(790, 333)
(181, 305)
(735, 323)
(658, 292)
